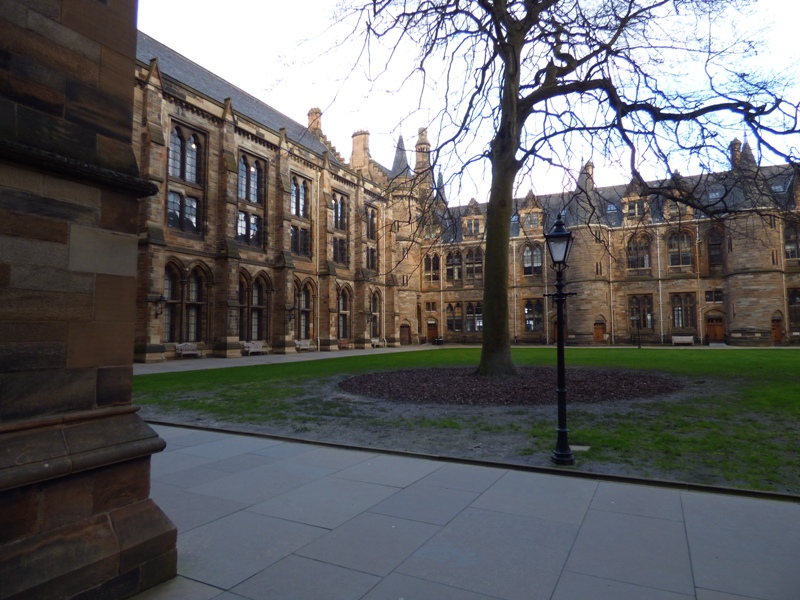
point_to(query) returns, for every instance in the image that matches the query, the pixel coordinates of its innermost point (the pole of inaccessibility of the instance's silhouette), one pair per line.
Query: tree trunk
(496, 349)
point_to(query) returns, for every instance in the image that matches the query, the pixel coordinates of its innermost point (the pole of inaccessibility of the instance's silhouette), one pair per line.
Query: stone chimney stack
(423, 150)
(735, 152)
(359, 159)
(315, 121)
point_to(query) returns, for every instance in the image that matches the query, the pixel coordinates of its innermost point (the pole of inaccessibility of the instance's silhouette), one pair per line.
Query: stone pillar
(76, 519)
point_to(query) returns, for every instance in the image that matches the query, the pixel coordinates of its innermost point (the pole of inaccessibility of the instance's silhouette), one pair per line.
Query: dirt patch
(450, 412)
(534, 386)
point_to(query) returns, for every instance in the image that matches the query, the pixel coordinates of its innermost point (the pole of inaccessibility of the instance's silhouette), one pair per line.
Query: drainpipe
(611, 299)
(319, 252)
(660, 295)
(697, 270)
(514, 269)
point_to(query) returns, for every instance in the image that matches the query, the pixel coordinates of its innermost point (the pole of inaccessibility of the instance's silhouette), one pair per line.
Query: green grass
(747, 437)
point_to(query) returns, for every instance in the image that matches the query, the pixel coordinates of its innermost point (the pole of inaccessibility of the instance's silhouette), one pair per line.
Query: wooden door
(777, 331)
(599, 332)
(715, 330)
(405, 334)
(433, 331)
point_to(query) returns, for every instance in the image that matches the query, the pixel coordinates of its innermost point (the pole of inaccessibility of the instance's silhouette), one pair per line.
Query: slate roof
(182, 70)
(743, 188)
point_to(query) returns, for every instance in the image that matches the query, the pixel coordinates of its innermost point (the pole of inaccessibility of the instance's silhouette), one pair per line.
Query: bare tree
(526, 82)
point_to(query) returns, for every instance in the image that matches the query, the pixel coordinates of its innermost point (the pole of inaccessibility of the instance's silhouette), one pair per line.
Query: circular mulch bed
(535, 386)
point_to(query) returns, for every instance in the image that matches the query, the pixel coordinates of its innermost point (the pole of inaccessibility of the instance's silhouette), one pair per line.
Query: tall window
(474, 265)
(534, 315)
(639, 252)
(182, 212)
(532, 258)
(794, 310)
(343, 325)
(375, 314)
(183, 155)
(791, 241)
(474, 321)
(684, 314)
(715, 241)
(183, 168)
(258, 311)
(304, 308)
(300, 241)
(250, 180)
(300, 197)
(431, 268)
(372, 259)
(454, 315)
(640, 311)
(339, 211)
(194, 308)
(172, 307)
(680, 249)
(340, 251)
(453, 266)
(248, 228)
(372, 223)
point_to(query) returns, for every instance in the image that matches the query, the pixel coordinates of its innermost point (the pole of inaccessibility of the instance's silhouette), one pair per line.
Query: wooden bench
(344, 344)
(187, 349)
(377, 342)
(683, 339)
(250, 348)
(301, 345)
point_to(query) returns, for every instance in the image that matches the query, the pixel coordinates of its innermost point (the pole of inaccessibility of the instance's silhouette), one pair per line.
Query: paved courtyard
(260, 518)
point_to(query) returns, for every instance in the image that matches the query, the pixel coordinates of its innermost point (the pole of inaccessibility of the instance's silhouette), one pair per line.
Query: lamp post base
(562, 455)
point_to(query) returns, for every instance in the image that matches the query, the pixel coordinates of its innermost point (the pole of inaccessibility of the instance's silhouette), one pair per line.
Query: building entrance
(715, 330)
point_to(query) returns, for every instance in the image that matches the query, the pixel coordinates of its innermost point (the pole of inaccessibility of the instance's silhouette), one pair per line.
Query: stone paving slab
(262, 518)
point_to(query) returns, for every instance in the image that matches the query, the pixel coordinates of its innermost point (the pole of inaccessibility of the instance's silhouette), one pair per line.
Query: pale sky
(280, 52)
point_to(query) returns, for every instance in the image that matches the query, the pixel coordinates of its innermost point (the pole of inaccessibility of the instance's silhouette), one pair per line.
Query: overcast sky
(279, 51)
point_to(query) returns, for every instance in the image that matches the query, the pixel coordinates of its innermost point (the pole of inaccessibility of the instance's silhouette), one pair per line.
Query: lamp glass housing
(559, 242)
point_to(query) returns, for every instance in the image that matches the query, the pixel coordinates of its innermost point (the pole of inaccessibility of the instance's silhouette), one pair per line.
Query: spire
(400, 166)
(440, 195)
(586, 178)
(747, 161)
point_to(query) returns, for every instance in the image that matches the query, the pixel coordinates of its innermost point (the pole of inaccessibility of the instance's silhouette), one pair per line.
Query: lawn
(746, 435)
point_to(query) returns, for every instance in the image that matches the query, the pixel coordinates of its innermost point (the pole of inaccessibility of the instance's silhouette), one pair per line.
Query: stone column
(76, 519)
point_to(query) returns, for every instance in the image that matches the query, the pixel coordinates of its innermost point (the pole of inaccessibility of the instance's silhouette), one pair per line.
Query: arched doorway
(433, 330)
(777, 328)
(715, 329)
(405, 335)
(599, 330)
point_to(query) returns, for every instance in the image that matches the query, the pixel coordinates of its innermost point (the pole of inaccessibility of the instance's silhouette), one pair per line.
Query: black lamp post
(559, 243)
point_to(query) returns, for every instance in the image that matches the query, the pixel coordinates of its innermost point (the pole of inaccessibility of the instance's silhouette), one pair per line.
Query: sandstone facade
(273, 236)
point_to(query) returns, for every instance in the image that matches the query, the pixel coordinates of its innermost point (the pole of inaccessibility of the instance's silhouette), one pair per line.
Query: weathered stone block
(32, 204)
(32, 305)
(120, 485)
(114, 385)
(57, 565)
(98, 111)
(114, 298)
(33, 331)
(19, 513)
(48, 132)
(110, 26)
(31, 94)
(30, 277)
(120, 212)
(28, 394)
(66, 500)
(31, 356)
(97, 251)
(143, 531)
(33, 252)
(72, 192)
(99, 344)
(159, 569)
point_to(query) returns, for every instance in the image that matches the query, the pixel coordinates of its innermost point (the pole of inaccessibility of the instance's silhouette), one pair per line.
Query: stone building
(76, 518)
(261, 231)
(644, 267)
